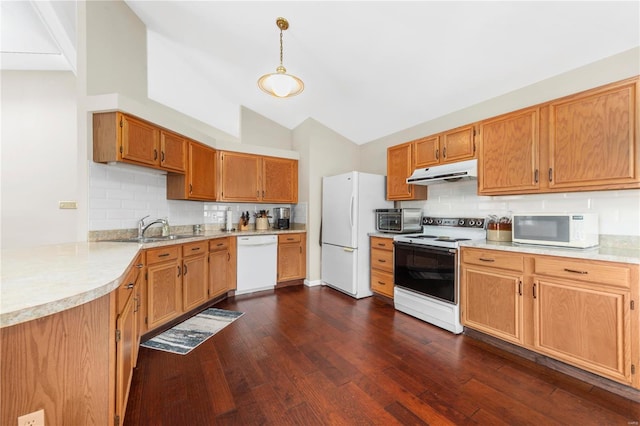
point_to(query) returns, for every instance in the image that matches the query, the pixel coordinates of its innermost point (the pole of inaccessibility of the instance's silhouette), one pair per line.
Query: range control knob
(439, 222)
(461, 222)
(480, 223)
(471, 222)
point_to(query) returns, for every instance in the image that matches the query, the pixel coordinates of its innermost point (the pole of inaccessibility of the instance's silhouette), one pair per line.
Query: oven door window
(429, 271)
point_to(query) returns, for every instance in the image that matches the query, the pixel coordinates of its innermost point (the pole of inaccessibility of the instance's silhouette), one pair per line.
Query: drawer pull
(164, 254)
(575, 271)
(535, 296)
(178, 270)
(195, 248)
(519, 288)
(382, 283)
(487, 260)
(289, 239)
(382, 261)
(219, 244)
(382, 244)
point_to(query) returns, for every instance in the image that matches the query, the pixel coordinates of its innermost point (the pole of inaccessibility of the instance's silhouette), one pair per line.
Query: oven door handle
(425, 248)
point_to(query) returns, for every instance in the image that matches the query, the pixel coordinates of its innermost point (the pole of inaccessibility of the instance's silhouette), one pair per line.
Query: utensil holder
(262, 223)
(242, 227)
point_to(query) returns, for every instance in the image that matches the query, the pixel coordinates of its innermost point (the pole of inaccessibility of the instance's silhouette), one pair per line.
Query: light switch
(68, 204)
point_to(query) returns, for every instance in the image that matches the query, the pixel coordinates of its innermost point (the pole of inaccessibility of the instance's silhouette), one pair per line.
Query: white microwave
(578, 230)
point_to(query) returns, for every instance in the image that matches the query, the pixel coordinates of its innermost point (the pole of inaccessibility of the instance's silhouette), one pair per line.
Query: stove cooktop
(446, 232)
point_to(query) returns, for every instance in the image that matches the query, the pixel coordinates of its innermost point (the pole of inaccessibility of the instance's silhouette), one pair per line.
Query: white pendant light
(280, 84)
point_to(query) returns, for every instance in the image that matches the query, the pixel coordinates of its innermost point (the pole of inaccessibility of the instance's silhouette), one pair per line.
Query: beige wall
(323, 152)
(258, 130)
(39, 158)
(614, 68)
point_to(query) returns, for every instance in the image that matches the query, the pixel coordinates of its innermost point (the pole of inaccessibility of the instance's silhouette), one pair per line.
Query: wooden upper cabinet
(592, 139)
(279, 180)
(400, 166)
(427, 151)
(201, 172)
(509, 153)
(173, 151)
(118, 137)
(458, 144)
(448, 147)
(255, 178)
(239, 176)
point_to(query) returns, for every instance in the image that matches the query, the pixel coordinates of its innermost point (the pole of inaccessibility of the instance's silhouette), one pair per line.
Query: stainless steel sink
(142, 240)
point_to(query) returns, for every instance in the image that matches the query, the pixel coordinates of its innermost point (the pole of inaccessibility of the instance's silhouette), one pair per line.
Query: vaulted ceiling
(369, 68)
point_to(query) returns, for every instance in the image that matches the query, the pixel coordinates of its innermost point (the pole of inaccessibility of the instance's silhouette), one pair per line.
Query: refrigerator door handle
(349, 249)
(351, 211)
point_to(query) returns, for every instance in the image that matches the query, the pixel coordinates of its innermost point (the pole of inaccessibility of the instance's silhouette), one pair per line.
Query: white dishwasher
(257, 263)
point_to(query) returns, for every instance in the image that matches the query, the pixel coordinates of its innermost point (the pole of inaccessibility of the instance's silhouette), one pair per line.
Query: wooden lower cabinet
(164, 290)
(195, 273)
(292, 257)
(222, 266)
(576, 311)
(382, 266)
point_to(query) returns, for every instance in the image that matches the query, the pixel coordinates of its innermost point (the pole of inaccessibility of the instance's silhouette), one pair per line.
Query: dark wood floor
(315, 356)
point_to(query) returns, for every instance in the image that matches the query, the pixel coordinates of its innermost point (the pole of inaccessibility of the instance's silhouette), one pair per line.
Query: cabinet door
(201, 172)
(194, 281)
(427, 151)
(458, 144)
(509, 154)
(399, 167)
(164, 293)
(492, 302)
(279, 180)
(218, 272)
(592, 138)
(291, 257)
(586, 326)
(125, 353)
(139, 141)
(240, 177)
(173, 150)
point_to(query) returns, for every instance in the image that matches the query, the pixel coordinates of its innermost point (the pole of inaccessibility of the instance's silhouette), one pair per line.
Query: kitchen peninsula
(62, 305)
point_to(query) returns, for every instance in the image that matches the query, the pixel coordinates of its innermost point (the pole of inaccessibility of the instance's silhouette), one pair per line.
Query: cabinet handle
(444, 152)
(550, 174)
(178, 270)
(162, 156)
(486, 260)
(381, 244)
(228, 257)
(382, 283)
(382, 261)
(137, 300)
(219, 244)
(163, 255)
(139, 265)
(129, 286)
(263, 193)
(519, 288)
(535, 176)
(190, 189)
(437, 154)
(575, 271)
(289, 239)
(535, 296)
(184, 270)
(155, 154)
(195, 248)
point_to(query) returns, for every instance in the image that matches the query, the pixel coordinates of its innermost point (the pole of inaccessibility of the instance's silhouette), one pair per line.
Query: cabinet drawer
(382, 282)
(494, 259)
(219, 244)
(603, 273)
(162, 254)
(382, 243)
(127, 286)
(288, 238)
(382, 259)
(191, 249)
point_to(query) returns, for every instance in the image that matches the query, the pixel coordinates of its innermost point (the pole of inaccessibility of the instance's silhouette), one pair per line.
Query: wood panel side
(59, 363)
(105, 137)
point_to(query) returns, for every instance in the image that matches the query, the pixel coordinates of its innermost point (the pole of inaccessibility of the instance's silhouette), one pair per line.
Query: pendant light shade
(280, 84)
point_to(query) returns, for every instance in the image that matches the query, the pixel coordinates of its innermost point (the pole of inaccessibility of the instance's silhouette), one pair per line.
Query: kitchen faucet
(142, 227)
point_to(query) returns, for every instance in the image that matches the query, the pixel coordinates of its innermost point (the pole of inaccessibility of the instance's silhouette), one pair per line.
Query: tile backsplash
(120, 195)
(618, 211)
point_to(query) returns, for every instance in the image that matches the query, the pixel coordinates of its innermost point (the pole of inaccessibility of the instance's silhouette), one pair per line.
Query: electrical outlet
(68, 204)
(32, 419)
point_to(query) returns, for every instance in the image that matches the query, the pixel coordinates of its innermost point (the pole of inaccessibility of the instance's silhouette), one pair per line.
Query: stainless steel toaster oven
(398, 221)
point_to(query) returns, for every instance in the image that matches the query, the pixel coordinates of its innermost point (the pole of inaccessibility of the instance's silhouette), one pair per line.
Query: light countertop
(44, 280)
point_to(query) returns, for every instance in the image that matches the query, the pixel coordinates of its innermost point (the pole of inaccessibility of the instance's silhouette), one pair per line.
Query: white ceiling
(370, 68)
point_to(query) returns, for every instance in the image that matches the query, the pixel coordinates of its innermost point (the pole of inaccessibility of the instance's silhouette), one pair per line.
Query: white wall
(39, 158)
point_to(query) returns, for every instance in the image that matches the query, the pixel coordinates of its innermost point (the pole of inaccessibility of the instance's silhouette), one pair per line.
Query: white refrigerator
(349, 202)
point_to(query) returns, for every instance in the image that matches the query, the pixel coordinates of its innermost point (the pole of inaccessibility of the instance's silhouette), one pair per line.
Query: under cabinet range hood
(452, 172)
